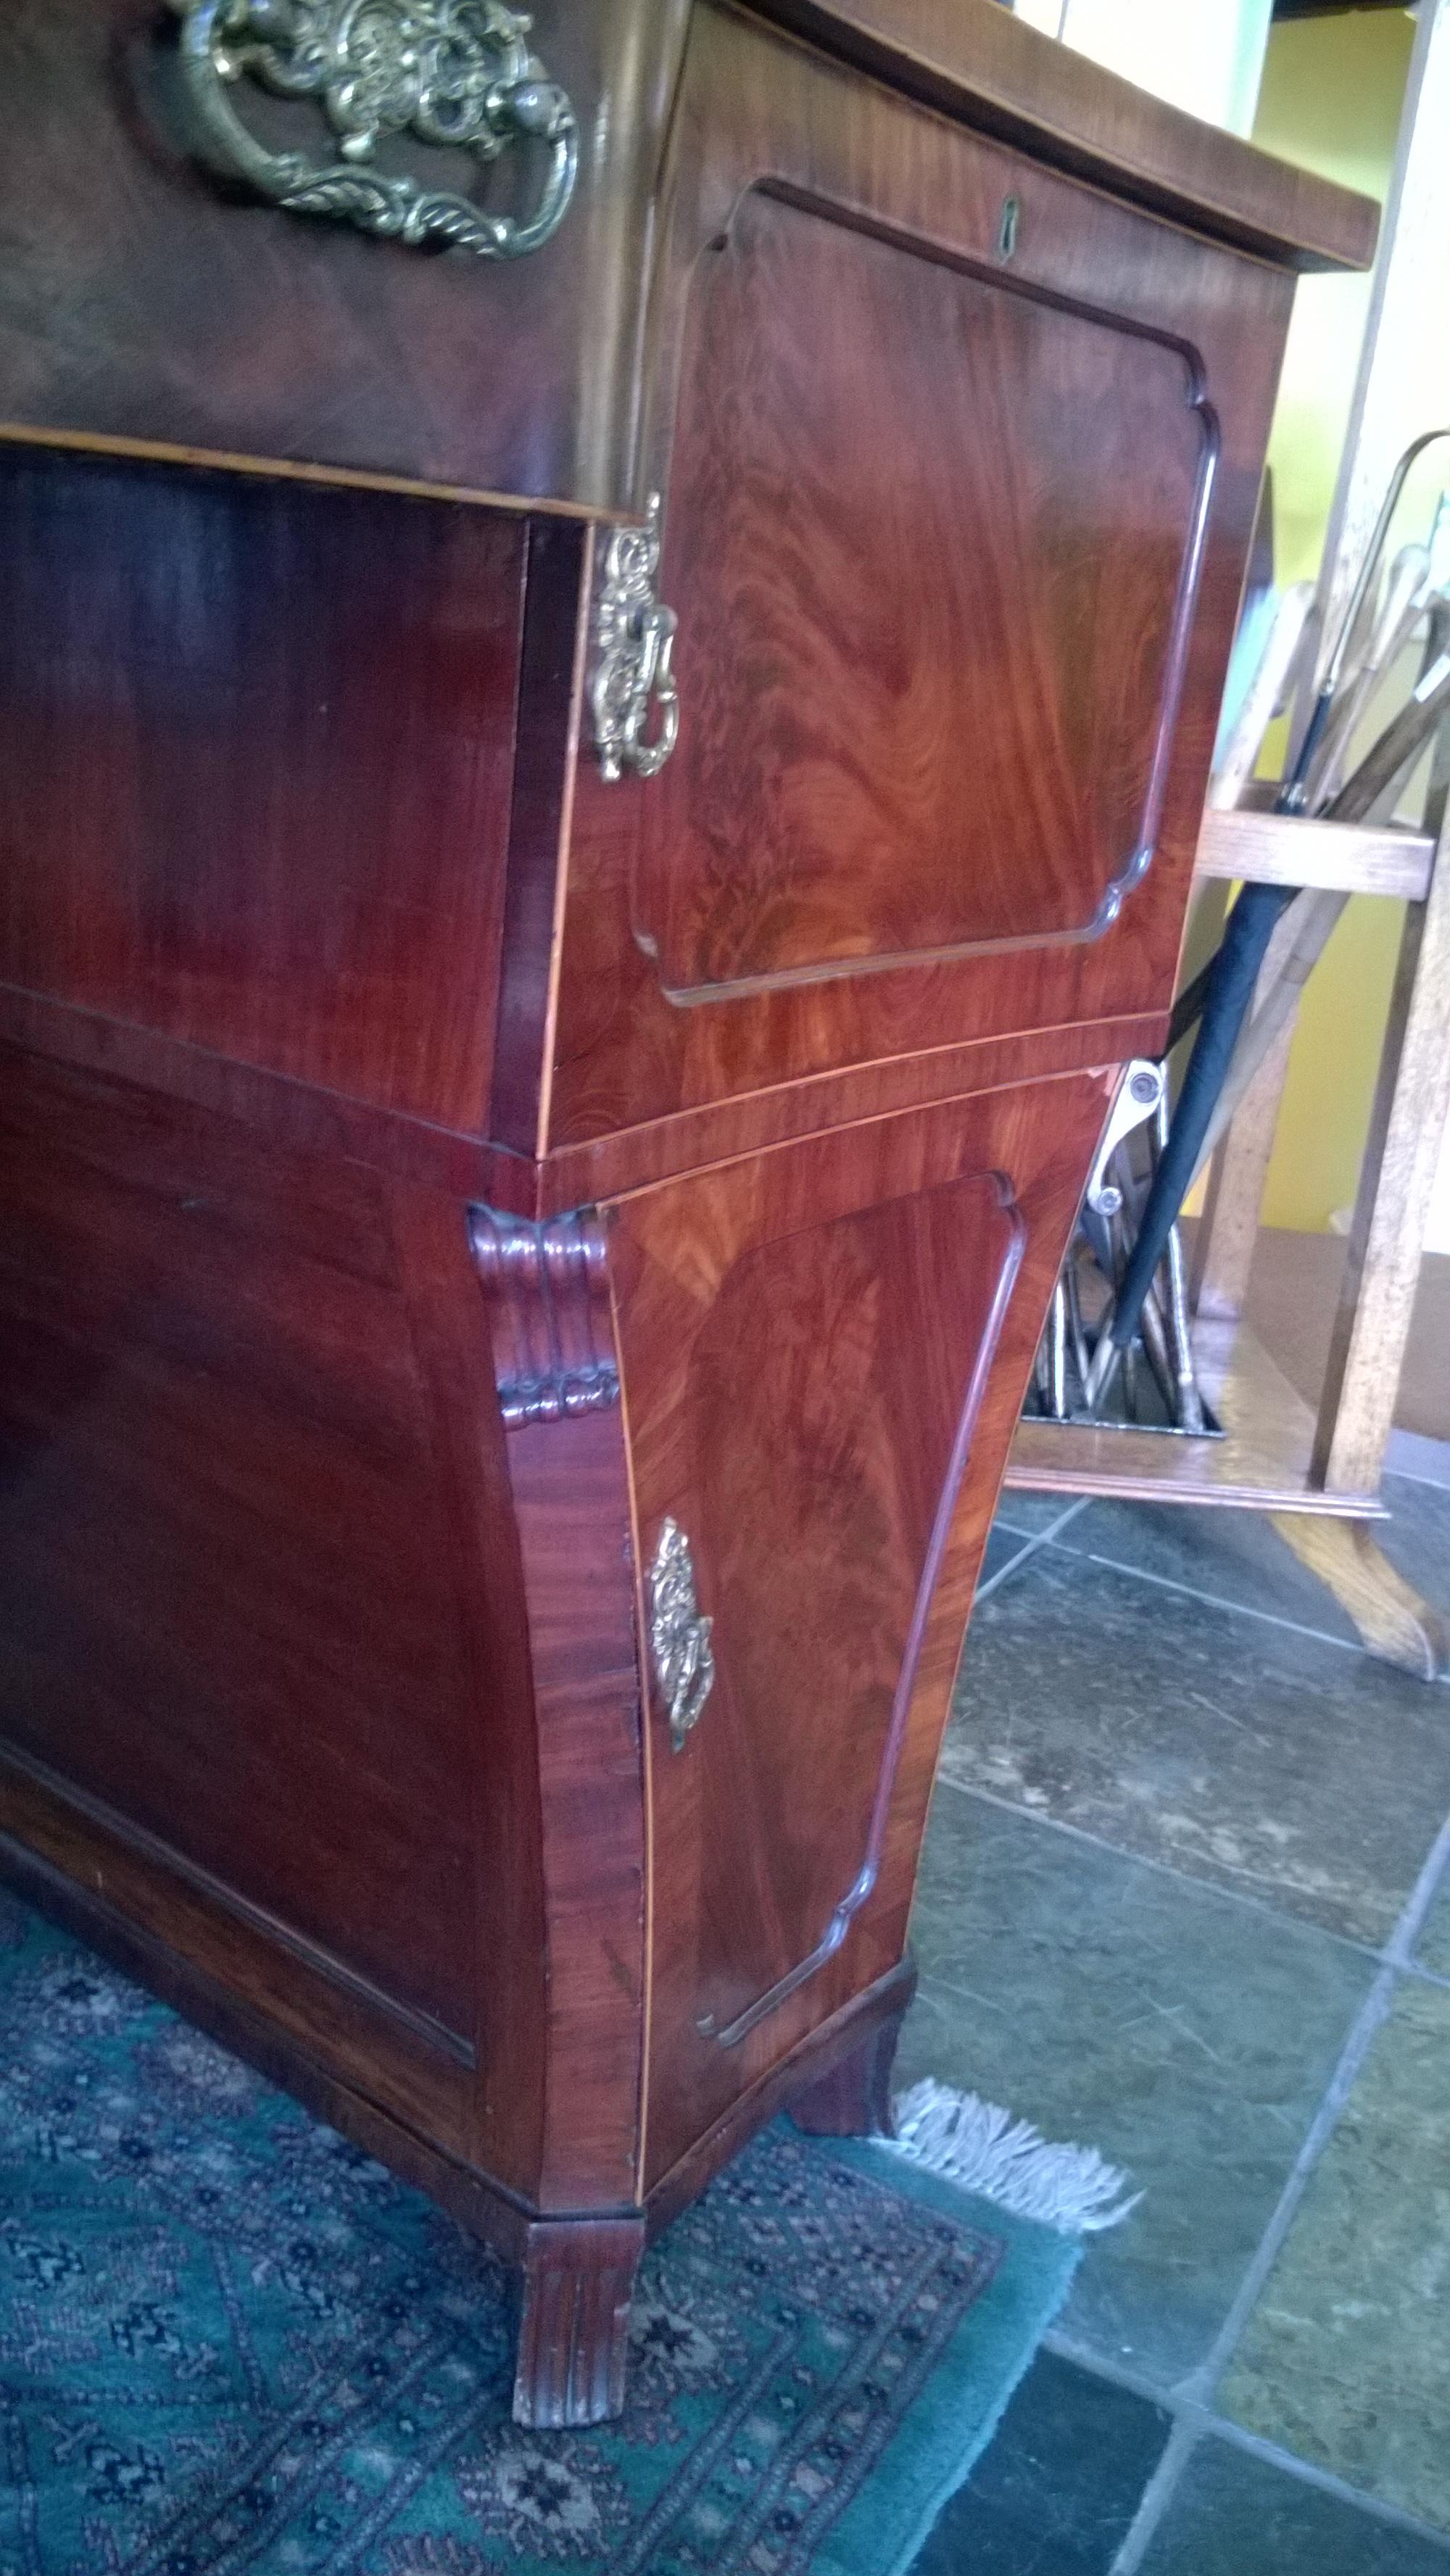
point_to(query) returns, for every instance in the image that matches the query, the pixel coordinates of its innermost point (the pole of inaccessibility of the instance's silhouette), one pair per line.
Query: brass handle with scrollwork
(454, 73)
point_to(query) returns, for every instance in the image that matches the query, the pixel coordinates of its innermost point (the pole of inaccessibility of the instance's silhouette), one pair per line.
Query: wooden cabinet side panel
(257, 743)
(229, 1615)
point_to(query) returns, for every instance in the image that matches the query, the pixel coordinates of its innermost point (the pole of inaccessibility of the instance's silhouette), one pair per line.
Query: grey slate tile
(1433, 1947)
(1239, 1557)
(1005, 1548)
(1234, 2515)
(1346, 2358)
(1244, 1753)
(1228, 1555)
(1033, 1513)
(1417, 1538)
(1056, 2492)
(1188, 2037)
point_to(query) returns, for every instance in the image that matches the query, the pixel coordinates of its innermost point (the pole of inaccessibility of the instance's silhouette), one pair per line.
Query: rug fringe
(1006, 2160)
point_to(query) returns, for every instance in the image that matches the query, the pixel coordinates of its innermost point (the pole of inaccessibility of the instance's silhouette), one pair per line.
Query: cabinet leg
(1388, 1612)
(853, 2100)
(578, 2278)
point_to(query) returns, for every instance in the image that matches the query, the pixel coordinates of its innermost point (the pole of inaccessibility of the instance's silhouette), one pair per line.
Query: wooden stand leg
(1223, 1247)
(578, 2278)
(854, 2099)
(1397, 1185)
(1388, 1612)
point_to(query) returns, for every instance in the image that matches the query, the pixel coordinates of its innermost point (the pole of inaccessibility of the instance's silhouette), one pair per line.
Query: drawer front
(822, 1351)
(146, 294)
(933, 546)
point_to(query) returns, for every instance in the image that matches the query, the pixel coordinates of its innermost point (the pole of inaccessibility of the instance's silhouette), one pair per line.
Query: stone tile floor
(1186, 1897)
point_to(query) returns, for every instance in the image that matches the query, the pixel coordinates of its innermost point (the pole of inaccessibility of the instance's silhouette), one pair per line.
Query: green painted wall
(1331, 98)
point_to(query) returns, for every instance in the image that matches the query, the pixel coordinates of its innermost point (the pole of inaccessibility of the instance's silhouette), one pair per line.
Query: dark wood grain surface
(936, 722)
(933, 547)
(807, 1339)
(257, 745)
(140, 299)
(975, 60)
(223, 1603)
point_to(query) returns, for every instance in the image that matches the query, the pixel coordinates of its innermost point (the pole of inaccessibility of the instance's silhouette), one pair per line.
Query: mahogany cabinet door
(932, 543)
(807, 1343)
(958, 461)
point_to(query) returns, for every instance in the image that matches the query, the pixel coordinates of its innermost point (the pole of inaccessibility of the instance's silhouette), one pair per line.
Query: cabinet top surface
(974, 60)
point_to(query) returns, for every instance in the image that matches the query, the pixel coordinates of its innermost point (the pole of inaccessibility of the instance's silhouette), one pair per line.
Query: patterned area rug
(229, 2343)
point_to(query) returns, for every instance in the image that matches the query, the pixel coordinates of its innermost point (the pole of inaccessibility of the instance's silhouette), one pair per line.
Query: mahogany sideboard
(609, 647)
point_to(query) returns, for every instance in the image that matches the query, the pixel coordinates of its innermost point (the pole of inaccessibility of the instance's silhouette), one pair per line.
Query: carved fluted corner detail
(457, 74)
(547, 1286)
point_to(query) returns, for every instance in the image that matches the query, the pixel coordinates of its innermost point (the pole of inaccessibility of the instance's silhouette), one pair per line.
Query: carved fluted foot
(578, 2278)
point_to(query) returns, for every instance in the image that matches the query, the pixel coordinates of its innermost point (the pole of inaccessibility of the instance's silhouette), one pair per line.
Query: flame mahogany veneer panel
(932, 546)
(933, 519)
(821, 1349)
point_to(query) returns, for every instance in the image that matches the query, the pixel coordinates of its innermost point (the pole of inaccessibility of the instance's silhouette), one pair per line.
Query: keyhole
(1008, 227)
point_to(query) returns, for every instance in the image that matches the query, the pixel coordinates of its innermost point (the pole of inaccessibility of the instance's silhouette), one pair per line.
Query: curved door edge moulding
(865, 1879)
(454, 74)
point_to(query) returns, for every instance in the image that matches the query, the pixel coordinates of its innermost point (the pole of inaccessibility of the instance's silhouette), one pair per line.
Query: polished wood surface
(264, 739)
(190, 319)
(896, 720)
(204, 321)
(973, 59)
(922, 599)
(219, 1501)
(807, 1339)
(427, 1169)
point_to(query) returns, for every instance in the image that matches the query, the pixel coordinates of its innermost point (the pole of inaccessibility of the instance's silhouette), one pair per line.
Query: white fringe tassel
(985, 2150)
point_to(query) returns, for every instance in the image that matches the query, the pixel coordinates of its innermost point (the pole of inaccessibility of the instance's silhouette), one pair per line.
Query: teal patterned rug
(232, 2346)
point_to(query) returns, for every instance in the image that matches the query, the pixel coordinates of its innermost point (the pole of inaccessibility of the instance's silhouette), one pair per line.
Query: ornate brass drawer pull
(456, 73)
(679, 1638)
(634, 672)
